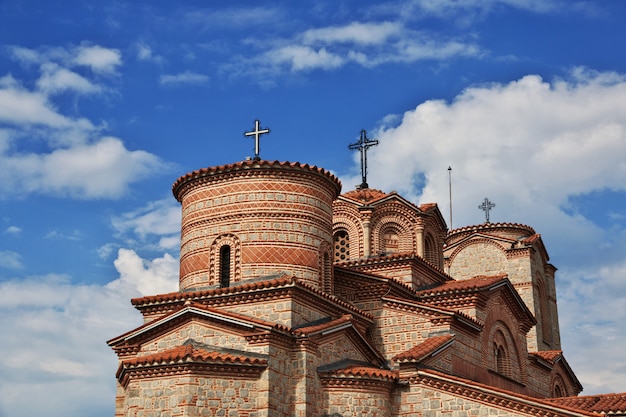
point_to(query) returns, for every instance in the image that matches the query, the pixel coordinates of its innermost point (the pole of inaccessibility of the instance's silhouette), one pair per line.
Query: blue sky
(104, 104)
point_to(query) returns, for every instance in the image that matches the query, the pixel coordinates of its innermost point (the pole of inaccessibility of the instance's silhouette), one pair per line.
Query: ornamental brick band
(255, 218)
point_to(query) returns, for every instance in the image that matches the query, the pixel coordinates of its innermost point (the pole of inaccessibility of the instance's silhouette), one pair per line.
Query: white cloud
(145, 53)
(159, 219)
(19, 106)
(10, 260)
(368, 44)
(592, 308)
(304, 58)
(148, 277)
(54, 342)
(77, 163)
(186, 77)
(56, 79)
(507, 139)
(13, 230)
(359, 33)
(103, 169)
(99, 59)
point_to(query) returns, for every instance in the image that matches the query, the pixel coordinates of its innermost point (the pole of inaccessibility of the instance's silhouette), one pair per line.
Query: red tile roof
(365, 195)
(428, 347)
(247, 287)
(550, 356)
(186, 353)
(324, 326)
(191, 306)
(605, 403)
(473, 284)
(503, 397)
(492, 226)
(362, 372)
(247, 166)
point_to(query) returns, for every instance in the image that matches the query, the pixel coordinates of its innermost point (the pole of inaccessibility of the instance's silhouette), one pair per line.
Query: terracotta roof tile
(189, 353)
(248, 166)
(473, 284)
(427, 206)
(191, 305)
(363, 371)
(550, 356)
(491, 226)
(427, 347)
(323, 326)
(511, 396)
(604, 403)
(365, 195)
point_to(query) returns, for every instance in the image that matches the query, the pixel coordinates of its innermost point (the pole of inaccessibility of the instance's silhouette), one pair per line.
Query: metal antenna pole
(450, 189)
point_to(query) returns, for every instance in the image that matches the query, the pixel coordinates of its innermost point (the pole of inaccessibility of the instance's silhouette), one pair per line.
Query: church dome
(254, 219)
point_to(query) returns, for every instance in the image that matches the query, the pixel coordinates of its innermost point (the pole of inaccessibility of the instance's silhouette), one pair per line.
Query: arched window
(327, 273)
(430, 250)
(225, 261)
(342, 246)
(225, 266)
(544, 313)
(558, 387)
(501, 359)
(390, 240)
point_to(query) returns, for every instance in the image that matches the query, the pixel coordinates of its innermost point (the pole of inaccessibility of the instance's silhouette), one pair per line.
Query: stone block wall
(192, 395)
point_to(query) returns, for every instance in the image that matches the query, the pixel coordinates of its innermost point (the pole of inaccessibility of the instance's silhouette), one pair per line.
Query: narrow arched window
(342, 246)
(225, 266)
(500, 359)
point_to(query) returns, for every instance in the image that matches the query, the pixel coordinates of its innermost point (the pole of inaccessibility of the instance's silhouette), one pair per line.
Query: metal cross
(486, 206)
(362, 145)
(257, 132)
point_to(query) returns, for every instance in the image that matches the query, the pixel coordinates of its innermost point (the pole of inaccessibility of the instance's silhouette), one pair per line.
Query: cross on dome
(362, 145)
(257, 132)
(486, 206)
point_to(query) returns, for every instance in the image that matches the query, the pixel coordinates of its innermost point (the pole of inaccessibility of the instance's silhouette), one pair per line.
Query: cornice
(252, 168)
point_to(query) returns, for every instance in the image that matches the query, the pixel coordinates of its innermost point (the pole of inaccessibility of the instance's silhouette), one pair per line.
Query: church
(296, 299)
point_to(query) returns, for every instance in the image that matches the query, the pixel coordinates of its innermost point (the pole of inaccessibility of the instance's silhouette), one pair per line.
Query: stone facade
(295, 300)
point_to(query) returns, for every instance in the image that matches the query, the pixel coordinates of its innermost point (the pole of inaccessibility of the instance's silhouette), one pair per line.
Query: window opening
(342, 246)
(225, 266)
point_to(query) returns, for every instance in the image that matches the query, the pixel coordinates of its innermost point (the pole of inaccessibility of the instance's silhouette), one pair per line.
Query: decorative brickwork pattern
(279, 215)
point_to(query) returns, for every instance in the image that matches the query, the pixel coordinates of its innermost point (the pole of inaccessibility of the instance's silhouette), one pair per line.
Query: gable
(193, 321)
(339, 340)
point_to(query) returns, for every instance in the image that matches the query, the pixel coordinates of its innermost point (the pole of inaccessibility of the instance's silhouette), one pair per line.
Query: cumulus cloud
(160, 219)
(506, 139)
(54, 341)
(55, 79)
(77, 160)
(533, 147)
(19, 106)
(99, 59)
(157, 276)
(103, 169)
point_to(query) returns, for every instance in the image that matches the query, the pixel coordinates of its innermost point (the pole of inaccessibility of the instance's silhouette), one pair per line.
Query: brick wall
(278, 214)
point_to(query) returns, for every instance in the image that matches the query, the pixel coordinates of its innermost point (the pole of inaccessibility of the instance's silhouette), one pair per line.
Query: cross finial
(257, 132)
(362, 145)
(486, 206)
